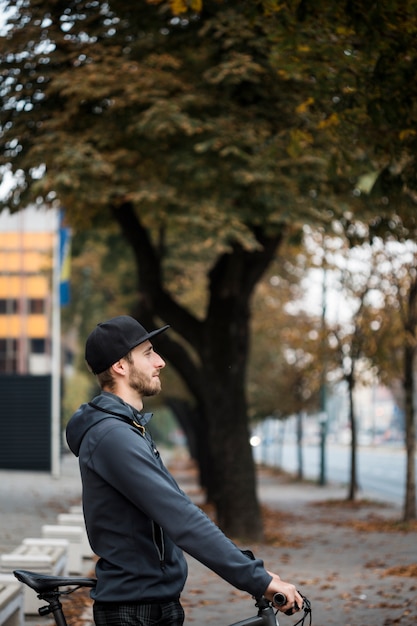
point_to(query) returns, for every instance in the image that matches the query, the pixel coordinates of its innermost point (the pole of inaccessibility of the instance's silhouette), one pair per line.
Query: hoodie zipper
(159, 543)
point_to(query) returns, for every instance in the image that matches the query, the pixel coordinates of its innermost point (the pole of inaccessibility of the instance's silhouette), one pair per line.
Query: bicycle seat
(45, 582)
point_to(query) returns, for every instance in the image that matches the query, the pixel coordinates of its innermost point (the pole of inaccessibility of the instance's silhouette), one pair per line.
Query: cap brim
(153, 333)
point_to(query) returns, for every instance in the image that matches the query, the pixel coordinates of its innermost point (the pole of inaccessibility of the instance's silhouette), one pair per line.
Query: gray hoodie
(138, 520)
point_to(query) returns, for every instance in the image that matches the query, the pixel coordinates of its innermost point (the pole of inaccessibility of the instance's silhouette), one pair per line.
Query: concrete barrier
(38, 557)
(74, 536)
(11, 602)
(77, 519)
(76, 509)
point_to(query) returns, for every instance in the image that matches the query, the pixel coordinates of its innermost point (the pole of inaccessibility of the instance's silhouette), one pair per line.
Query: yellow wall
(25, 274)
(32, 326)
(37, 286)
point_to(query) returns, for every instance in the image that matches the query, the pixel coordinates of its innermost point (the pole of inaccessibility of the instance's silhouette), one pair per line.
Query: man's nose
(160, 363)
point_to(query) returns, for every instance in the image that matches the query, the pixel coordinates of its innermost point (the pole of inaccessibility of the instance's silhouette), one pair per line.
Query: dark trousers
(131, 614)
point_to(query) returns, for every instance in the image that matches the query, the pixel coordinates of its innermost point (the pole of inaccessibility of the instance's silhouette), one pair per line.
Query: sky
(32, 218)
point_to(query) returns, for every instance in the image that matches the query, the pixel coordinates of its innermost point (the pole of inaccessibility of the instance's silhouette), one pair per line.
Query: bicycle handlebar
(279, 599)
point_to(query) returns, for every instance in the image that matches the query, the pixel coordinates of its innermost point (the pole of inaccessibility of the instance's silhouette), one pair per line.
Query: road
(381, 470)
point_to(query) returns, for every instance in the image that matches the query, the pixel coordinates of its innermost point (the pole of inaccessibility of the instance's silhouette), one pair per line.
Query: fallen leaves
(274, 523)
(78, 607)
(370, 523)
(382, 525)
(348, 504)
(409, 571)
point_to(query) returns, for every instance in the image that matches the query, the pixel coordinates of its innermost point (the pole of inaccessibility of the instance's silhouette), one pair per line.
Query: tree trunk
(233, 485)
(410, 429)
(193, 425)
(353, 444)
(300, 470)
(224, 351)
(233, 488)
(410, 435)
(214, 370)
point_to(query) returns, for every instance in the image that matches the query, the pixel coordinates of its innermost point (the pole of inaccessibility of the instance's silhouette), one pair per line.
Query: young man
(137, 518)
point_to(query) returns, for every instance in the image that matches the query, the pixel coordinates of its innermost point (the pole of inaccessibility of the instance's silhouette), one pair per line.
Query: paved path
(28, 500)
(321, 547)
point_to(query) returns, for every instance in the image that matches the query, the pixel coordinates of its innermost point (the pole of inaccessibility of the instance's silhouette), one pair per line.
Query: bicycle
(50, 588)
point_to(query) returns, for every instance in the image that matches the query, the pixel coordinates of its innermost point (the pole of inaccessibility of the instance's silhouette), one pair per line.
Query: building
(27, 240)
(30, 371)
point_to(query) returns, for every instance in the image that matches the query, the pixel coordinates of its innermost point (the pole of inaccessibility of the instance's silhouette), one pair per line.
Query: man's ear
(120, 367)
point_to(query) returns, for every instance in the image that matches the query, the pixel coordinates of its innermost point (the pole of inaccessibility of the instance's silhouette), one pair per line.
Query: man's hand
(294, 600)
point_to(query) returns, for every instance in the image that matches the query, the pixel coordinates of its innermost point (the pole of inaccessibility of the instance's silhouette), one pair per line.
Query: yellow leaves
(304, 106)
(179, 7)
(331, 121)
(283, 74)
(406, 134)
(195, 5)
(344, 31)
(270, 7)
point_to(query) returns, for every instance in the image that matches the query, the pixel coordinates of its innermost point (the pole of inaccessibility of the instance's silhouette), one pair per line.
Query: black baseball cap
(112, 340)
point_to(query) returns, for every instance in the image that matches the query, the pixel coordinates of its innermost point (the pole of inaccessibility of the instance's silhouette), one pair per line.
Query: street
(381, 470)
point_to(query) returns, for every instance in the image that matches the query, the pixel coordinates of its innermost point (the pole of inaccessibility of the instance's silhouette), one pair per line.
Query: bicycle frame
(48, 589)
(266, 616)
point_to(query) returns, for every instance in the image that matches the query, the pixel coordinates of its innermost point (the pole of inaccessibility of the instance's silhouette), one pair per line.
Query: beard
(143, 385)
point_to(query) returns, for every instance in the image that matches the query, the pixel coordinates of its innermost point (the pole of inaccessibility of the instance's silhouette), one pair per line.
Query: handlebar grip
(279, 599)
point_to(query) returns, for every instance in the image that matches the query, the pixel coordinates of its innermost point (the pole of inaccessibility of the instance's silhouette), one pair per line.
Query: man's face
(144, 370)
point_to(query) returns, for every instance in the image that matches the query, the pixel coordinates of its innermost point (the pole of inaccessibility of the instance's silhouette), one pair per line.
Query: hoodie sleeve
(128, 462)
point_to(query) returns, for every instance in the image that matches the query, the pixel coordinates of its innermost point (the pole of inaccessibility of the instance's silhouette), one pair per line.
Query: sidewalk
(339, 556)
(29, 500)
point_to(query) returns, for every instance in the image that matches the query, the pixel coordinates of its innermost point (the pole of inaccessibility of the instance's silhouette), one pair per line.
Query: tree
(284, 366)
(114, 111)
(397, 270)
(351, 326)
(396, 274)
(378, 335)
(285, 360)
(203, 136)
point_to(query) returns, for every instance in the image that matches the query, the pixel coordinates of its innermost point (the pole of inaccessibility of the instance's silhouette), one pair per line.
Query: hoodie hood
(100, 408)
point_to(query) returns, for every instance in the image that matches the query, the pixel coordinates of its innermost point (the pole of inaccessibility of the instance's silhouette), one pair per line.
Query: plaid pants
(131, 614)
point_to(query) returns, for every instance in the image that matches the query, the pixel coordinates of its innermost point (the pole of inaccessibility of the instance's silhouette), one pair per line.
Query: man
(138, 520)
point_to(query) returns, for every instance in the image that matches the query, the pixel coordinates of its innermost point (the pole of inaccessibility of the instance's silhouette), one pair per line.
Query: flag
(64, 261)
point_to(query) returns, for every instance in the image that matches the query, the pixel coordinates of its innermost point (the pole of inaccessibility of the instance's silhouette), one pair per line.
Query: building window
(8, 356)
(36, 306)
(37, 346)
(8, 306)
